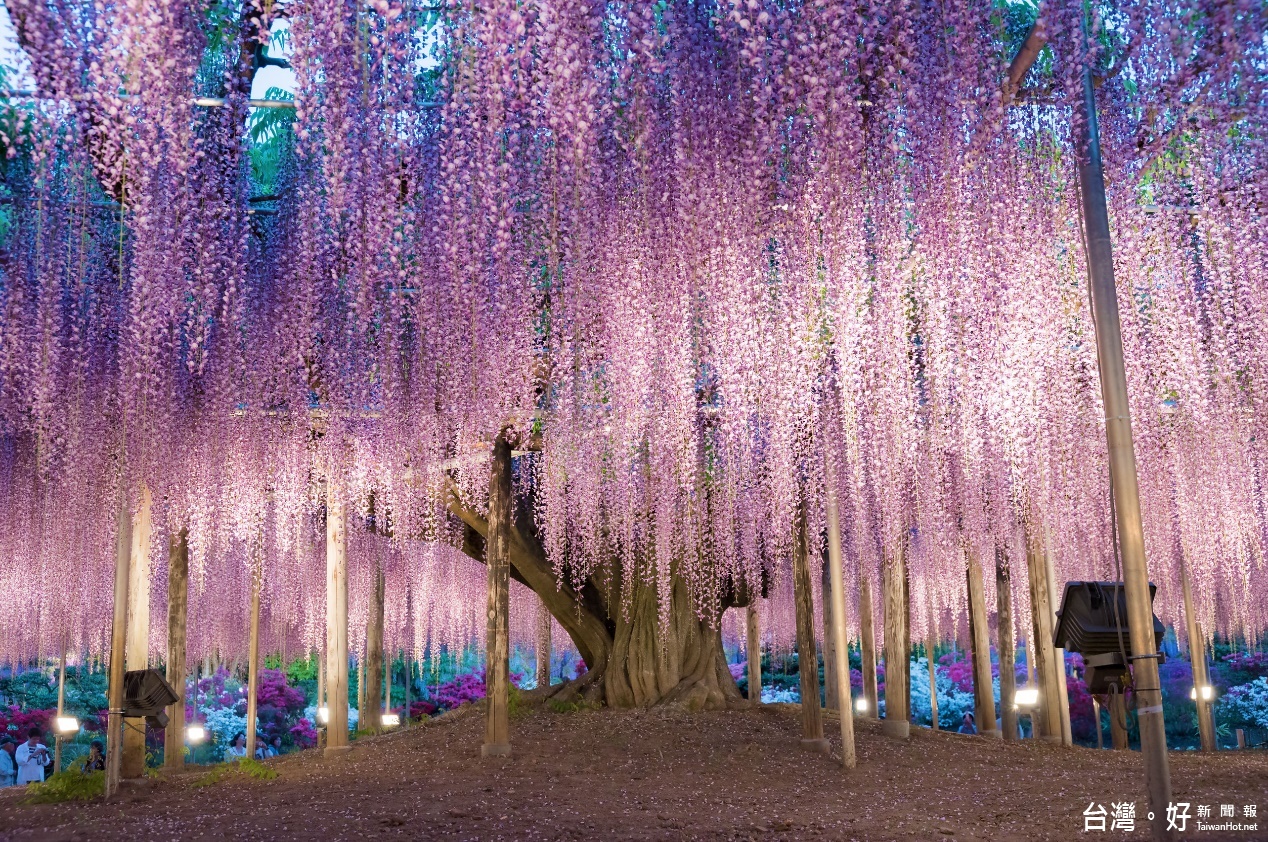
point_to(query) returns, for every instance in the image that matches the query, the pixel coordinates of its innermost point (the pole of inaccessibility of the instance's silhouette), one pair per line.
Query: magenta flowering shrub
(303, 734)
(16, 722)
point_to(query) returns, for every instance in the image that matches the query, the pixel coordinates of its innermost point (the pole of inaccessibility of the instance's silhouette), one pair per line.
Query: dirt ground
(653, 775)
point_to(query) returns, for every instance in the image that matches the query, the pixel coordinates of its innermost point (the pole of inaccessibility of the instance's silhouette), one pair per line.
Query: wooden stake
(177, 608)
(753, 648)
(138, 652)
(930, 652)
(1007, 646)
(253, 663)
(372, 694)
(897, 722)
(1197, 657)
(980, 647)
(407, 665)
(867, 646)
(1096, 713)
(1118, 721)
(834, 596)
(830, 700)
(118, 638)
(1047, 717)
(497, 740)
(807, 658)
(336, 623)
(61, 708)
(543, 644)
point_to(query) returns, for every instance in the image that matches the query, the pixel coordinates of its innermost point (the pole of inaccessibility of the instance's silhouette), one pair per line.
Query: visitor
(275, 747)
(31, 757)
(96, 759)
(967, 725)
(237, 749)
(8, 766)
(261, 747)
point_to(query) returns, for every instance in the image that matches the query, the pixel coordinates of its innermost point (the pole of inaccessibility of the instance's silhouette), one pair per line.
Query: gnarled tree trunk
(633, 659)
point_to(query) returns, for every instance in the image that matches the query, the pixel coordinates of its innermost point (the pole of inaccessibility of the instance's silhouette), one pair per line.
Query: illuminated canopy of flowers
(684, 251)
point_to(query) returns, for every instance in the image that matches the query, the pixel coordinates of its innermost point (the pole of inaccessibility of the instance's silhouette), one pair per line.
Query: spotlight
(323, 714)
(391, 720)
(66, 724)
(1207, 691)
(1026, 697)
(860, 705)
(195, 734)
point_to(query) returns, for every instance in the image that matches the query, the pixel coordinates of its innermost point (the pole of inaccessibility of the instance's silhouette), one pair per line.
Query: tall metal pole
(118, 637)
(1122, 459)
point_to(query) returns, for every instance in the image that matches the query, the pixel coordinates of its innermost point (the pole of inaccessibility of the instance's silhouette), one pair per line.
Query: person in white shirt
(238, 748)
(8, 768)
(31, 757)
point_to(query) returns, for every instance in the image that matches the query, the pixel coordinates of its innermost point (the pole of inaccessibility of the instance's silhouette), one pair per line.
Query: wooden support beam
(980, 646)
(867, 646)
(407, 666)
(753, 650)
(1058, 654)
(118, 639)
(177, 613)
(1197, 658)
(372, 694)
(897, 722)
(931, 646)
(497, 740)
(834, 597)
(138, 652)
(336, 623)
(807, 657)
(61, 707)
(1047, 715)
(543, 646)
(1007, 646)
(830, 700)
(1118, 721)
(253, 663)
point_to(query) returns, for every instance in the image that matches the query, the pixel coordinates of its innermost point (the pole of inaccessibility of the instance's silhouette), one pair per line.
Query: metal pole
(1122, 460)
(118, 637)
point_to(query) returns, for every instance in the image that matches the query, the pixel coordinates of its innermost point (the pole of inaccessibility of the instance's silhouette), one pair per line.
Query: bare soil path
(654, 775)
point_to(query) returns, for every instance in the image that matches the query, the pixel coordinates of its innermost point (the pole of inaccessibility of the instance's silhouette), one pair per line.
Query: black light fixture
(1093, 622)
(147, 694)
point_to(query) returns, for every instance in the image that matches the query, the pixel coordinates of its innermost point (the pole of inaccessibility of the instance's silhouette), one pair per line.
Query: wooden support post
(931, 641)
(118, 639)
(497, 730)
(61, 707)
(253, 663)
(407, 666)
(1118, 721)
(387, 684)
(1058, 655)
(980, 647)
(1241, 737)
(177, 611)
(829, 641)
(336, 623)
(1197, 658)
(372, 694)
(867, 646)
(1007, 646)
(807, 658)
(138, 652)
(897, 722)
(543, 644)
(753, 649)
(361, 692)
(834, 596)
(1096, 715)
(1047, 716)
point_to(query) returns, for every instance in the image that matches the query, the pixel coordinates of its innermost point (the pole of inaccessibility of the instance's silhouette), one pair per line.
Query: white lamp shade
(1026, 697)
(1206, 690)
(323, 714)
(66, 724)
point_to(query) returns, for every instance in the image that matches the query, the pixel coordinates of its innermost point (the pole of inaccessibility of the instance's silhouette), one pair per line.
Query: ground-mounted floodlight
(1093, 622)
(323, 715)
(66, 724)
(860, 705)
(1206, 691)
(146, 694)
(195, 734)
(1026, 697)
(390, 720)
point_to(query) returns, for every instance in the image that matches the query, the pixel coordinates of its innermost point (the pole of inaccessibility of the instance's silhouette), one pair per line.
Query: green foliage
(217, 774)
(256, 769)
(577, 706)
(67, 786)
(272, 142)
(515, 707)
